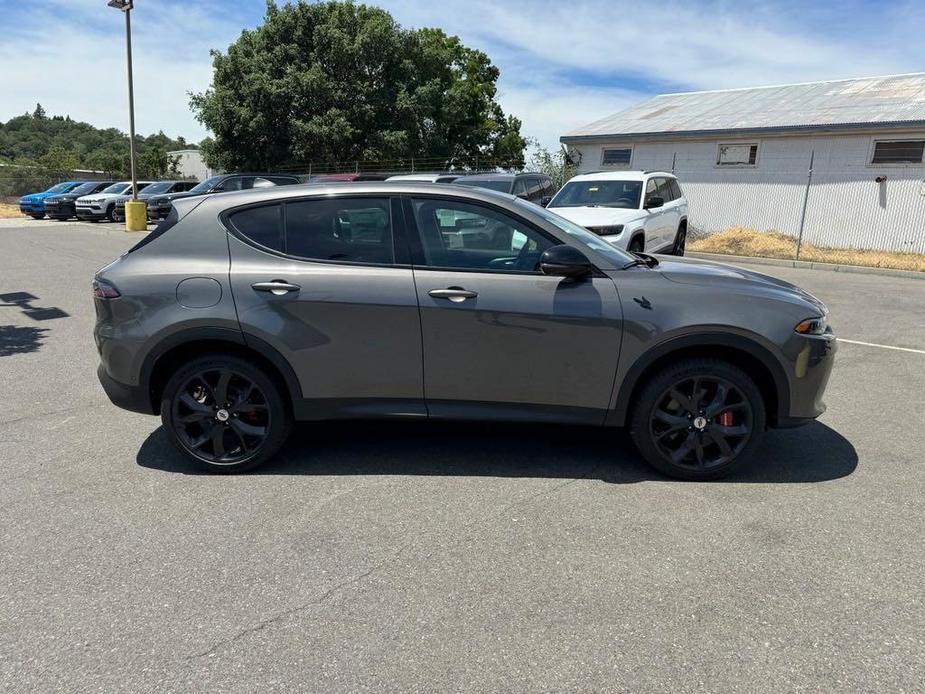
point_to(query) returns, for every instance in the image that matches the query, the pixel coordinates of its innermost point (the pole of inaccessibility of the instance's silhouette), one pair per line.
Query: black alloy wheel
(225, 414)
(697, 419)
(680, 242)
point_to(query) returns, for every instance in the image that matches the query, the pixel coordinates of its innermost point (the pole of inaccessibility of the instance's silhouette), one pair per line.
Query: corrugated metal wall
(845, 207)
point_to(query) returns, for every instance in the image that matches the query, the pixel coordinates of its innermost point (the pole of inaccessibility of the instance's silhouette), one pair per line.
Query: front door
(319, 280)
(501, 339)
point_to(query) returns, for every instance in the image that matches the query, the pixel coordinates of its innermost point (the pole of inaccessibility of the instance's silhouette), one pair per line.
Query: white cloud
(563, 64)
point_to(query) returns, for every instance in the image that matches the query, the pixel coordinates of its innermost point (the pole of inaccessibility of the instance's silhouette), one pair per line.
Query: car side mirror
(545, 200)
(654, 201)
(565, 261)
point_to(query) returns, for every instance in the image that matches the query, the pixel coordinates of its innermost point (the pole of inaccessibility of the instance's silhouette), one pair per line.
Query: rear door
(670, 215)
(327, 283)
(500, 338)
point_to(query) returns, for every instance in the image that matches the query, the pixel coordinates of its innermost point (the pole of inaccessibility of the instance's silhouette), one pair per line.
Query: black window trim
(400, 250)
(417, 247)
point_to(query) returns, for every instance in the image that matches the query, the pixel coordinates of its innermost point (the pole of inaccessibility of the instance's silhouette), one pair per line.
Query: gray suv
(245, 312)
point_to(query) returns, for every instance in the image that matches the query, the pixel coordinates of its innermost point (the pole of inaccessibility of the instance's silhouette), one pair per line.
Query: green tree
(153, 162)
(39, 112)
(338, 81)
(557, 165)
(58, 162)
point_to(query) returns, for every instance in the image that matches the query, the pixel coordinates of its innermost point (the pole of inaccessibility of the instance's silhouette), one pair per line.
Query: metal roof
(889, 102)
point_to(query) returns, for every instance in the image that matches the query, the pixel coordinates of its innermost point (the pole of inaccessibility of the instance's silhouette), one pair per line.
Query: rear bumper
(132, 398)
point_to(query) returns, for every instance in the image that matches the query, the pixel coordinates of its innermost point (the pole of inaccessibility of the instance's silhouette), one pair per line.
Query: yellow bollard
(136, 216)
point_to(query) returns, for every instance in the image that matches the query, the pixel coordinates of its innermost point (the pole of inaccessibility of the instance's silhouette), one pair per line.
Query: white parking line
(874, 344)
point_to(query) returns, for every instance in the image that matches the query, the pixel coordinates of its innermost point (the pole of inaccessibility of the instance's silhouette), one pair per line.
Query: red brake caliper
(725, 419)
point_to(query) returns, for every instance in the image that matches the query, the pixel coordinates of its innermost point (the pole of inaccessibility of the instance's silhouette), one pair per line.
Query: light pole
(132, 220)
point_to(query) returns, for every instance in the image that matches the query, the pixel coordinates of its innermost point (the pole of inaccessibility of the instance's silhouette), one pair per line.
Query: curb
(808, 265)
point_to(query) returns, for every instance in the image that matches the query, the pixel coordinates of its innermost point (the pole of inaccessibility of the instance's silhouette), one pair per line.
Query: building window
(898, 152)
(616, 156)
(745, 154)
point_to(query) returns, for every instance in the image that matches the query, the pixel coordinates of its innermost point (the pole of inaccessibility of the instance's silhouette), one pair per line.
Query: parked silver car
(244, 312)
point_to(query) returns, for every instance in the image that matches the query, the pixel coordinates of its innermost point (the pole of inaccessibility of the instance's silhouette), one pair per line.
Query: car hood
(710, 273)
(92, 197)
(36, 197)
(597, 216)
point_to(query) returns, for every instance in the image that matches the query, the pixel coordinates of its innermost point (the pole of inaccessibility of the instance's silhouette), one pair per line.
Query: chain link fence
(804, 208)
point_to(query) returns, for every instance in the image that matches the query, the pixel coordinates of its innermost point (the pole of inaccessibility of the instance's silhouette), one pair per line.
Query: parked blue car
(34, 203)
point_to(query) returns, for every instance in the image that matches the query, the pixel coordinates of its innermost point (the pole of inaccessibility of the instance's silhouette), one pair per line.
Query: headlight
(812, 326)
(608, 230)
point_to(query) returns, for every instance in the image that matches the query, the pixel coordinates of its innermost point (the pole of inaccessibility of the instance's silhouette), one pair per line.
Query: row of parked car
(635, 210)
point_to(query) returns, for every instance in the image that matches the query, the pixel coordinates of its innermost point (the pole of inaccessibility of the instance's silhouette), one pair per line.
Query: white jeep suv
(635, 210)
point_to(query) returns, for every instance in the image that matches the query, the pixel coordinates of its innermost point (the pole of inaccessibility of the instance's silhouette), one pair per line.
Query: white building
(191, 164)
(843, 159)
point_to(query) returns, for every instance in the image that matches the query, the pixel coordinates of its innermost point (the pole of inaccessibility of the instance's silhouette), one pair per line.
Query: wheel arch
(183, 346)
(744, 352)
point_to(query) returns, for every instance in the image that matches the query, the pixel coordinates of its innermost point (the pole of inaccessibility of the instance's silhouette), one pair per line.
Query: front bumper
(90, 212)
(157, 213)
(62, 210)
(31, 208)
(812, 359)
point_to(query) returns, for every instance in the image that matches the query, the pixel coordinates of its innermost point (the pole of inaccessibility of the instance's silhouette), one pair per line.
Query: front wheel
(111, 213)
(224, 413)
(37, 216)
(698, 419)
(637, 245)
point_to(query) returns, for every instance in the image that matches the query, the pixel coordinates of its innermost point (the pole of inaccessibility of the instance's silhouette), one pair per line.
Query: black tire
(230, 442)
(680, 241)
(663, 426)
(110, 213)
(37, 216)
(637, 245)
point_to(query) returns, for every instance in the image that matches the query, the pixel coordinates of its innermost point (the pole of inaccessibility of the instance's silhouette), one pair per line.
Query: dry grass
(10, 211)
(773, 244)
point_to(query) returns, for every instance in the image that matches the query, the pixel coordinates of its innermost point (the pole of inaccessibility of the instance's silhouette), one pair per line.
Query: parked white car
(102, 205)
(635, 210)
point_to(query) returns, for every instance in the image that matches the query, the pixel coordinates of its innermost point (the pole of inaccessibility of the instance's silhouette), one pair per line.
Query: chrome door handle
(276, 287)
(454, 294)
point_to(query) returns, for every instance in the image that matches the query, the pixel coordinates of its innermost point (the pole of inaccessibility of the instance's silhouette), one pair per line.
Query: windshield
(617, 256)
(158, 187)
(206, 185)
(115, 188)
(623, 194)
(492, 184)
(85, 188)
(60, 188)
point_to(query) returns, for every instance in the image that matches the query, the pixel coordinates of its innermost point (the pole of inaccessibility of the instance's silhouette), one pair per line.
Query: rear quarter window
(262, 225)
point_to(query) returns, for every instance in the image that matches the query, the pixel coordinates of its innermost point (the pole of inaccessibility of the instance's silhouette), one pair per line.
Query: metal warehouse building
(841, 161)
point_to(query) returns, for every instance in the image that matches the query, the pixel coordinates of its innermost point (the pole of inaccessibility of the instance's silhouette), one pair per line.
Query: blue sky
(562, 64)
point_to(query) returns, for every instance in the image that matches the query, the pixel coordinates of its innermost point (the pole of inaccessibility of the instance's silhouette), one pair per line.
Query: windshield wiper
(642, 259)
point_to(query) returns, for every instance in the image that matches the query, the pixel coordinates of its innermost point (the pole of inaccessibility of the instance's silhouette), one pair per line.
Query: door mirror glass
(654, 201)
(565, 261)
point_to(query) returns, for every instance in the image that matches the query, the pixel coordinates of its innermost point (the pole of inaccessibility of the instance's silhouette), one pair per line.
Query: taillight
(103, 290)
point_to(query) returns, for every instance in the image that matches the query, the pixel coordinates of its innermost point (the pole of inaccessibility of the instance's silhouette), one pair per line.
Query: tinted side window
(233, 183)
(549, 188)
(282, 180)
(456, 234)
(262, 225)
(650, 189)
(663, 190)
(675, 188)
(346, 229)
(520, 188)
(262, 183)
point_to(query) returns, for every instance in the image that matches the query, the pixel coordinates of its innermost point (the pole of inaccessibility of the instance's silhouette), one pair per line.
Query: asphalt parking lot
(409, 557)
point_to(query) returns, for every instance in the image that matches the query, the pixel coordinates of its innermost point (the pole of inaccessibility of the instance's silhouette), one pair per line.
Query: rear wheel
(225, 414)
(680, 241)
(698, 419)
